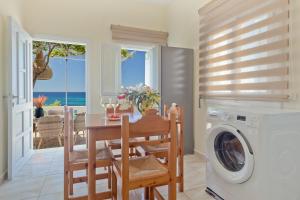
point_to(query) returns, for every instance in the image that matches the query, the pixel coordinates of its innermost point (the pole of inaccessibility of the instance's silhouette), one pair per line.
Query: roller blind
(138, 35)
(244, 50)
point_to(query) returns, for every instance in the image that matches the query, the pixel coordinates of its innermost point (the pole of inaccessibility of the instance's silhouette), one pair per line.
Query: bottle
(173, 109)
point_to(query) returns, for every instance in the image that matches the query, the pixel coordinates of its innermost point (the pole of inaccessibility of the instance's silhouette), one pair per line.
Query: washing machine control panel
(247, 120)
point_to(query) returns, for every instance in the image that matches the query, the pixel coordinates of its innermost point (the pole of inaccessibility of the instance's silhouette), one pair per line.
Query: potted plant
(143, 97)
(39, 103)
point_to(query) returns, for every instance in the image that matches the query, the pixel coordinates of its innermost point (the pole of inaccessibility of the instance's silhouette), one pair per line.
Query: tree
(41, 61)
(43, 51)
(126, 54)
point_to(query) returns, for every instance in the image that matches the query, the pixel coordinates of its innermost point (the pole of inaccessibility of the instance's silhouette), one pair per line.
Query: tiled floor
(42, 179)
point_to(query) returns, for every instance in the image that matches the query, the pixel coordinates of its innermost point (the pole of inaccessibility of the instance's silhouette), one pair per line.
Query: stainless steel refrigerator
(177, 72)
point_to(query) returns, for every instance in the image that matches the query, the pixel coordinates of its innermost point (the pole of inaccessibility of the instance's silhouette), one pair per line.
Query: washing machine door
(230, 154)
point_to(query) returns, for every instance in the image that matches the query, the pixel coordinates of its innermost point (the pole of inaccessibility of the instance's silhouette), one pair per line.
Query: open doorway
(59, 79)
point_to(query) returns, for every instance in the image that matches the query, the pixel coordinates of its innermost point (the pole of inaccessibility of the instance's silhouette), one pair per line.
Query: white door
(19, 99)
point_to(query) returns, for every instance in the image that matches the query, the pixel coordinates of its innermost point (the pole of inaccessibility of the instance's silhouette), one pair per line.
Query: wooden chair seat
(77, 156)
(116, 144)
(159, 150)
(156, 148)
(143, 168)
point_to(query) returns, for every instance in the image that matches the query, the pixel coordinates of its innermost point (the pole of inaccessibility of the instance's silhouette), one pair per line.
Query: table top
(101, 121)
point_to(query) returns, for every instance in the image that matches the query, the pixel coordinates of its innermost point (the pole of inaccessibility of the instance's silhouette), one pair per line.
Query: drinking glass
(104, 104)
(114, 104)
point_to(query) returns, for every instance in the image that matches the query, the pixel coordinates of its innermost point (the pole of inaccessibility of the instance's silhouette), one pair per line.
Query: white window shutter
(110, 69)
(153, 68)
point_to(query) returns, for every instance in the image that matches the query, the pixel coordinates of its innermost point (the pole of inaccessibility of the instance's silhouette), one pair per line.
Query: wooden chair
(146, 172)
(79, 125)
(161, 150)
(75, 160)
(49, 127)
(116, 144)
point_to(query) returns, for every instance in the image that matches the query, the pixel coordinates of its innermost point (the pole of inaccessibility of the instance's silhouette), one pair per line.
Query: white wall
(7, 8)
(90, 21)
(183, 27)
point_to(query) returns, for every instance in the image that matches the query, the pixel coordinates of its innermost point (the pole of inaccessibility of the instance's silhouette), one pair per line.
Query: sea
(73, 98)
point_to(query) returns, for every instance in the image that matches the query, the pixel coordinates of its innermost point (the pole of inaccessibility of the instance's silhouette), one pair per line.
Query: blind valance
(132, 34)
(244, 49)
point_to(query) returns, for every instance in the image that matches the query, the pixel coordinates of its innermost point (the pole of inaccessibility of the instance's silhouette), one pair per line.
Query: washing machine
(253, 154)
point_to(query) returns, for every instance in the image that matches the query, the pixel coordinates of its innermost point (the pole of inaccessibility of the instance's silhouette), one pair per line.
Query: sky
(133, 69)
(76, 76)
(133, 73)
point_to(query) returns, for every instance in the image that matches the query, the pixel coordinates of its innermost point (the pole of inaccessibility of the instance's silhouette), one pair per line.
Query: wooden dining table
(100, 128)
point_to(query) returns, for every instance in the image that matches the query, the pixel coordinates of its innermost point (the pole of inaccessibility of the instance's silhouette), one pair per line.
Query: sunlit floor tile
(41, 178)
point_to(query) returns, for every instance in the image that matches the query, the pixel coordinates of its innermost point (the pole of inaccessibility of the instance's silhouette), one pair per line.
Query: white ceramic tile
(198, 193)
(20, 189)
(54, 196)
(42, 179)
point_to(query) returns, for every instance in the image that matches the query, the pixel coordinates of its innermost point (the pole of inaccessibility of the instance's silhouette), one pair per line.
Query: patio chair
(49, 127)
(79, 125)
(55, 112)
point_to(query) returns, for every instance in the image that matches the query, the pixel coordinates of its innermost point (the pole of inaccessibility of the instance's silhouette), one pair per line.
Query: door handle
(9, 96)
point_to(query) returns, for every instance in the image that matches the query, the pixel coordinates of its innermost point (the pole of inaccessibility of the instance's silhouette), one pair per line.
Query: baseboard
(3, 176)
(200, 154)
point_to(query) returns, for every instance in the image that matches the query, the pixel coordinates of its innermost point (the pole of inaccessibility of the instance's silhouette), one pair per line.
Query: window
(133, 67)
(244, 53)
(128, 65)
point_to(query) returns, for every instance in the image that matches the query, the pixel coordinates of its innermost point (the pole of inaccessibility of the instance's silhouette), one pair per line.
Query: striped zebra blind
(244, 49)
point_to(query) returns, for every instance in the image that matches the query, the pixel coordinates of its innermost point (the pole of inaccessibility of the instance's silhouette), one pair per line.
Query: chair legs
(125, 193)
(59, 140)
(69, 183)
(75, 137)
(151, 193)
(66, 188)
(109, 177)
(181, 173)
(114, 186)
(172, 191)
(146, 193)
(40, 143)
(71, 190)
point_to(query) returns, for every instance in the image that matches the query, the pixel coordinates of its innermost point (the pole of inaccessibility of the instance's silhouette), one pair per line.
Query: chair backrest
(55, 112)
(50, 126)
(180, 120)
(119, 110)
(151, 124)
(179, 112)
(79, 122)
(68, 132)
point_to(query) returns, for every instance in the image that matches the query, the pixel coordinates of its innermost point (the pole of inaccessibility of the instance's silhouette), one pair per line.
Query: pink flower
(121, 96)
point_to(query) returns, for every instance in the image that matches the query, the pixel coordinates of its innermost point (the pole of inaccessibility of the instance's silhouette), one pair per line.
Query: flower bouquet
(39, 103)
(143, 97)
